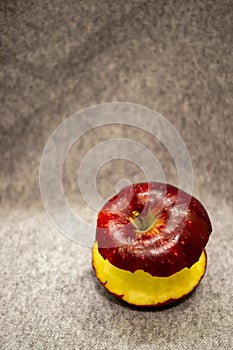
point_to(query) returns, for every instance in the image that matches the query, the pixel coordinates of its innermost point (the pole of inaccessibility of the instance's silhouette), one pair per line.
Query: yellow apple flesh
(141, 288)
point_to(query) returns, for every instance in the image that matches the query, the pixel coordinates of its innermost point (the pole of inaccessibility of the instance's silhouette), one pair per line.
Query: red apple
(150, 241)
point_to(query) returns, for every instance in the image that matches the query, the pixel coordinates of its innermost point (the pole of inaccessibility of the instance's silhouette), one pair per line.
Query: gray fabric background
(58, 57)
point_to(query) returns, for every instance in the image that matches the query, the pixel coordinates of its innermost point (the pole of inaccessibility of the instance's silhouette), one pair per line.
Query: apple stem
(143, 224)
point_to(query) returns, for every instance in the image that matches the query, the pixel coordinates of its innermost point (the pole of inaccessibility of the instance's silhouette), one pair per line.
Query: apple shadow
(113, 299)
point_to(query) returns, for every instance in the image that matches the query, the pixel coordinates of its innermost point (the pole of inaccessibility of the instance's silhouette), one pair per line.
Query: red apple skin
(160, 250)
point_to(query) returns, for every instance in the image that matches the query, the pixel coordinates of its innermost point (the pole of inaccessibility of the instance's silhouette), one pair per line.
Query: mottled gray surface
(50, 298)
(58, 57)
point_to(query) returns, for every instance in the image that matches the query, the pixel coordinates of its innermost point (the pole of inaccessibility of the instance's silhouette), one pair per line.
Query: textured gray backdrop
(58, 57)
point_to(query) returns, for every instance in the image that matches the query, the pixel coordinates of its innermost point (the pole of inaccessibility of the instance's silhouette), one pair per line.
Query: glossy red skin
(163, 250)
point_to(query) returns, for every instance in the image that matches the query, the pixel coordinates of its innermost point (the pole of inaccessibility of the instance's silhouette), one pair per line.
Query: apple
(150, 244)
